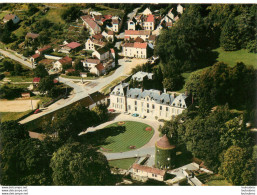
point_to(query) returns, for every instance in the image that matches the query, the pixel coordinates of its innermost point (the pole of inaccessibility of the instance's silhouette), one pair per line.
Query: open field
(18, 79)
(123, 163)
(17, 105)
(232, 57)
(107, 10)
(121, 138)
(217, 180)
(7, 116)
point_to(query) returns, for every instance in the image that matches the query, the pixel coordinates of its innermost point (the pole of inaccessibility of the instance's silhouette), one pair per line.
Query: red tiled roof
(65, 59)
(99, 67)
(70, 70)
(97, 42)
(150, 18)
(126, 37)
(108, 17)
(73, 45)
(149, 169)
(112, 50)
(45, 48)
(36, 56)
(93, 61)
(140, 45)
(36, 80)
(128, 45)
(164, 143)
(115, 21)
(90, 22)
(137, 32)
(9, 16)
(98, 36)
(139, 40)
(32, 35)
(98, 17)
(152, 37)
(110, 32)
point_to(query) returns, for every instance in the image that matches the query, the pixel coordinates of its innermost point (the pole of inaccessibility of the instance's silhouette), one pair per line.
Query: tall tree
(77, 164)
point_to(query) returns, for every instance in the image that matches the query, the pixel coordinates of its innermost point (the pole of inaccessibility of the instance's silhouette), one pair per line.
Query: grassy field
(54, 15)
(20, 79)
(7, 116)
(107, 10)
(232, 57)
(122, 163)
(120, 140)
(217, 180)
(106, 89)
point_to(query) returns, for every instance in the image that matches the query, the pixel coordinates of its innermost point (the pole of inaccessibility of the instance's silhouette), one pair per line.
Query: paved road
(14, 57)
(80, 91)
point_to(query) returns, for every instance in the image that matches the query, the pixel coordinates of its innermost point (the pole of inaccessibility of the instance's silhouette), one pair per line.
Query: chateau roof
(164, 143)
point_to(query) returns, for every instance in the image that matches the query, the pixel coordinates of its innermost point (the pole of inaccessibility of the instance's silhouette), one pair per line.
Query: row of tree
(58, 160)
(220, 138)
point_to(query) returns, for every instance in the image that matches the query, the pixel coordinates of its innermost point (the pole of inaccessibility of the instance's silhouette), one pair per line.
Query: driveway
(148, 148)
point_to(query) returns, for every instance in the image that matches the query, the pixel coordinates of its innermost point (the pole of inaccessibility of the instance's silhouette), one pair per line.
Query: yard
(7, 116)
(122, 163)
(232, 57)
(120, 137)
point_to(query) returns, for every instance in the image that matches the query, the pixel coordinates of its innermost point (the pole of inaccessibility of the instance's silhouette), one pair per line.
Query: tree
(233, 166)
(101, 111)
(174, 82)
(77, 164)
(229, 35)
(17, 69)
(40, 71)
(45, 84)
(78, 65)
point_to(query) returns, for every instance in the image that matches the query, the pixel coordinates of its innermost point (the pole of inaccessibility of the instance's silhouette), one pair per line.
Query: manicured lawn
(232, 57)
(217, 180)
(8, 116)
(122, 163)
(121, 138)
(106, 89)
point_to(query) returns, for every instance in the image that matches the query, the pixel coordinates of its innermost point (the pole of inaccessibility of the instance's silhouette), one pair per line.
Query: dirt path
(17, 105)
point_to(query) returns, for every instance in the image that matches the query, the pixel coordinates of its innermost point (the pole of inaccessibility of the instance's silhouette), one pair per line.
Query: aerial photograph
(128, 94)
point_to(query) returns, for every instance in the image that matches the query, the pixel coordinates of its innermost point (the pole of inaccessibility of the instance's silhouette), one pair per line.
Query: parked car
(128, 61)
(135, 115)
(37, 111)
(111, 110)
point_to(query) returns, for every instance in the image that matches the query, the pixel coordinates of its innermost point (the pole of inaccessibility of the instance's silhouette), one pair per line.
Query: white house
(144, 172)
(99, 69)
(12, 17)
(116, 24)
(90, 62)
(109, 36)
(58, 65)
(140, 76)
(147, 11)
(102, 54)
(136, 50)
(149, 22)
(91, 43)
(180, 9)
(170, 14)
(150, 103)
(132, 24)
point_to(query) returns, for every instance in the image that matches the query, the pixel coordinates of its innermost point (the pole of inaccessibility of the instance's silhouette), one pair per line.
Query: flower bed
(148, 128)
(121, 123)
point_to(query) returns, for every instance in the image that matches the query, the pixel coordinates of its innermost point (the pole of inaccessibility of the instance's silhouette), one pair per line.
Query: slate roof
(139, 76)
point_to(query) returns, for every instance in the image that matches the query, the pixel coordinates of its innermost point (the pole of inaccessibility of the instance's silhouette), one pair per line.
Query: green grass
(106, 89)
(122, 163)
(20, 79)
(232, 57)
(54, 15)
(217, 180)
(8, 116)
(134, 135)
(2, 14)
(43, 99)
(107, 10)
(78, 77)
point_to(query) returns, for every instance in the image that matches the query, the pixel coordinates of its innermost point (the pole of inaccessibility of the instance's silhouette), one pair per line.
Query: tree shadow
(112, 116)
(99, 137)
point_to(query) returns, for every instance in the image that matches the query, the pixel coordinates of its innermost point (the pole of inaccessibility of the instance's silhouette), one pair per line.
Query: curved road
(148, 148)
